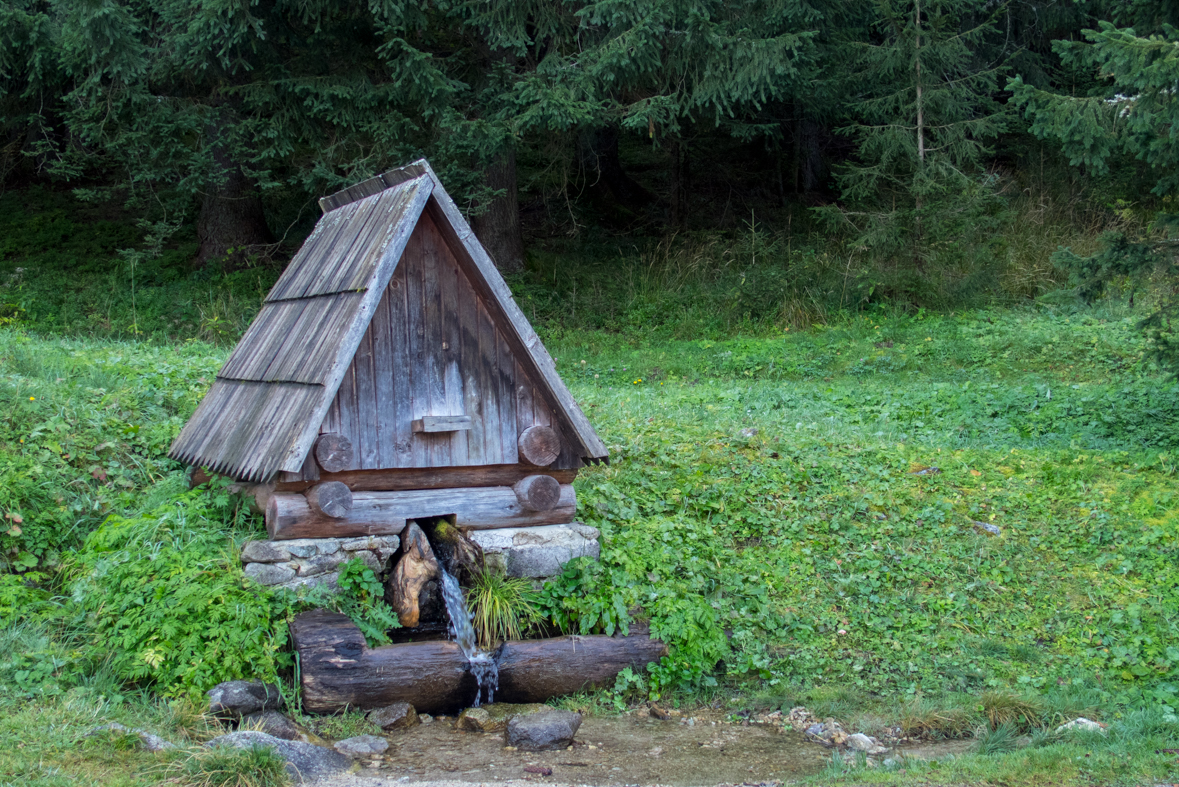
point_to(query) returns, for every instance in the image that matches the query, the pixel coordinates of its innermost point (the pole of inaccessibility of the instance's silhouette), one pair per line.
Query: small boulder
(861, 742)
(147, 741)
(548, 729)
(1083, 724)
(271, 723)
(397, 716)
(305, 762)
(237, 698)
(495, 717)
(362, 746)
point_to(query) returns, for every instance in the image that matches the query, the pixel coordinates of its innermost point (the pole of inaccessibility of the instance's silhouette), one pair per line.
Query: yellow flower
(928, 339)
(32, 398)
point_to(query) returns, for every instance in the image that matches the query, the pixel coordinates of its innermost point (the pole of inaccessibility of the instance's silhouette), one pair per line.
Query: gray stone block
(537, 551)
(269, 573)
(322, 564)
(264, 552)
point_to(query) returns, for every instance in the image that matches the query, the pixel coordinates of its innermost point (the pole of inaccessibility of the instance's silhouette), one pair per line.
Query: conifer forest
(874, 307)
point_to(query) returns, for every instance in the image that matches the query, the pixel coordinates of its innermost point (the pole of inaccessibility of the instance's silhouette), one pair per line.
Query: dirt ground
(609, 751)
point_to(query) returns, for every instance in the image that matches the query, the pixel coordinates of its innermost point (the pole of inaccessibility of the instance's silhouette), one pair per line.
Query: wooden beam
(334, 452)
(442, 423)
(430, 478)
(385, 513)
(338, 670)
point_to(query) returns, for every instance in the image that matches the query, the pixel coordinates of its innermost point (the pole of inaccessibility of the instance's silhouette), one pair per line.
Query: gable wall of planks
(433, 348)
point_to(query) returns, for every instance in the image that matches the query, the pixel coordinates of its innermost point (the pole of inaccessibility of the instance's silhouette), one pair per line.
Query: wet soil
(627, 750)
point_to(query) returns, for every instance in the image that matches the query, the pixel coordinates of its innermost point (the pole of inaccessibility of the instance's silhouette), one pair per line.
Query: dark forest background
(766, 161)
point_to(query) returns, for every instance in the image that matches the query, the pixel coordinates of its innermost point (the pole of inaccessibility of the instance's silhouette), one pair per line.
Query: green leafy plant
(360, 596)
(502, 607)
(165, 598)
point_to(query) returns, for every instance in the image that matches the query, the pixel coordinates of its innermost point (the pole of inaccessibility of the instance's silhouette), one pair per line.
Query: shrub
(165, 595)
(361, 597)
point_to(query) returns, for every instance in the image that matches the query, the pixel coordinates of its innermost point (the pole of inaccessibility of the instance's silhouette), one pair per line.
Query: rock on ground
(536, 551)
(362, 746)
(237, 698)
(271, 723)
(549, 729)
(397, 716)
(1082, 723)
(495, 717)
(305, 762)
(147, 741)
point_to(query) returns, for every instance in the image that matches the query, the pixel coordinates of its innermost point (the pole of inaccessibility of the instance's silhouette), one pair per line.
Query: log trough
(338, 670)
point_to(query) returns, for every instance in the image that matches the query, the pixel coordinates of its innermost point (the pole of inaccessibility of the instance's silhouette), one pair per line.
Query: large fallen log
(384, 513)
(338, 670)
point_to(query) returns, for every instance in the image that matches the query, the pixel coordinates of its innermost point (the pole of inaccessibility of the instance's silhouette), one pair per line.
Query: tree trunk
(453, 548)
(597, 150)
(416, 567)
(498, 228)
(231, 226)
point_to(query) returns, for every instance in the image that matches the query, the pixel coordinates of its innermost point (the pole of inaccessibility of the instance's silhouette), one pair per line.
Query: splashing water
(483, 667)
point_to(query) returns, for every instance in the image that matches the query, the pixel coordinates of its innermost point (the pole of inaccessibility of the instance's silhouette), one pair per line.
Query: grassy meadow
(963, 523)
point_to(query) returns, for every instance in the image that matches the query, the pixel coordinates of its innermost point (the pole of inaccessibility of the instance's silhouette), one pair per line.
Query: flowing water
(483, 667)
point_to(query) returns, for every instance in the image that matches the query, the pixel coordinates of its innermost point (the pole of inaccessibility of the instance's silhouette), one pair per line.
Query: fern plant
(361, 597)
(502, 607)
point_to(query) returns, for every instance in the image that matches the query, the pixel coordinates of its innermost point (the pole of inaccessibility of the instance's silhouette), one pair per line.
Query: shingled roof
(265, 407)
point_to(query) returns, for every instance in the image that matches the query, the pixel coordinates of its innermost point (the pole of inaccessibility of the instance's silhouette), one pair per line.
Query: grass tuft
(1003, 709)
(223, 766)
(1000, 739)
(502, 607)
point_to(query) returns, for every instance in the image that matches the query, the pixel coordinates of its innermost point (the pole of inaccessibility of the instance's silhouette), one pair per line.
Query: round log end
(333, 452)
(331, 498)
(538, 492)
(539, 446)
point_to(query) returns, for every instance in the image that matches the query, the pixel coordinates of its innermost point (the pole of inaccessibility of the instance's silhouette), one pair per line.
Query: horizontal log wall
(395, 480)
(385, 513)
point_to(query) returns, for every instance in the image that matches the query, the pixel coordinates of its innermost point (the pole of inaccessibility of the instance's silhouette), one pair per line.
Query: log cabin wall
(433, 349)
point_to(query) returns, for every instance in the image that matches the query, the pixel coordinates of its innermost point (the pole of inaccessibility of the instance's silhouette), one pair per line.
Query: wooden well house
(390, 376)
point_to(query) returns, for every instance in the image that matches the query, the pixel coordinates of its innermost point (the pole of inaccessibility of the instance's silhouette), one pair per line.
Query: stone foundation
(532, 552)
(307, 562)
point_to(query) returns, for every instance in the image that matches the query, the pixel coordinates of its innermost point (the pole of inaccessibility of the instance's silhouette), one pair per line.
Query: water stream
(483, 667)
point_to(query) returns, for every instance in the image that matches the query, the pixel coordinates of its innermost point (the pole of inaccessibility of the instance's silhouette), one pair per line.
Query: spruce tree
(923, 111)
(1129, 119)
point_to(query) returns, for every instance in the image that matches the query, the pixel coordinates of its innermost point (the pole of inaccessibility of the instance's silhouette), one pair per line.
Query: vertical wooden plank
(470, 365)
(366, 399)
(451, 348)
(524, 417)
(432, 342)
(346, 404)
(419, 398)
(541, 414)
(401, 404)
(383, 382)
(506, 387)
(331, 421)
(488, 362)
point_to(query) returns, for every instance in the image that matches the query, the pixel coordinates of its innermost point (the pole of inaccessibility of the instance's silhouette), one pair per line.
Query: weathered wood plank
(489, 387)
(373, 513)
(468, 325)
(432, 371)
(505, 377)
(419, 400)
(400, 406)
(365, 438)
(442, 423)
(450, 349)
(384, 405)
(429, 478)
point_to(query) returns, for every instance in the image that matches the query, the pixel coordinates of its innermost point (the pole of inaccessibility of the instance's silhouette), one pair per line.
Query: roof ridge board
(392, 249)
(388, 179)
(592, 445)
